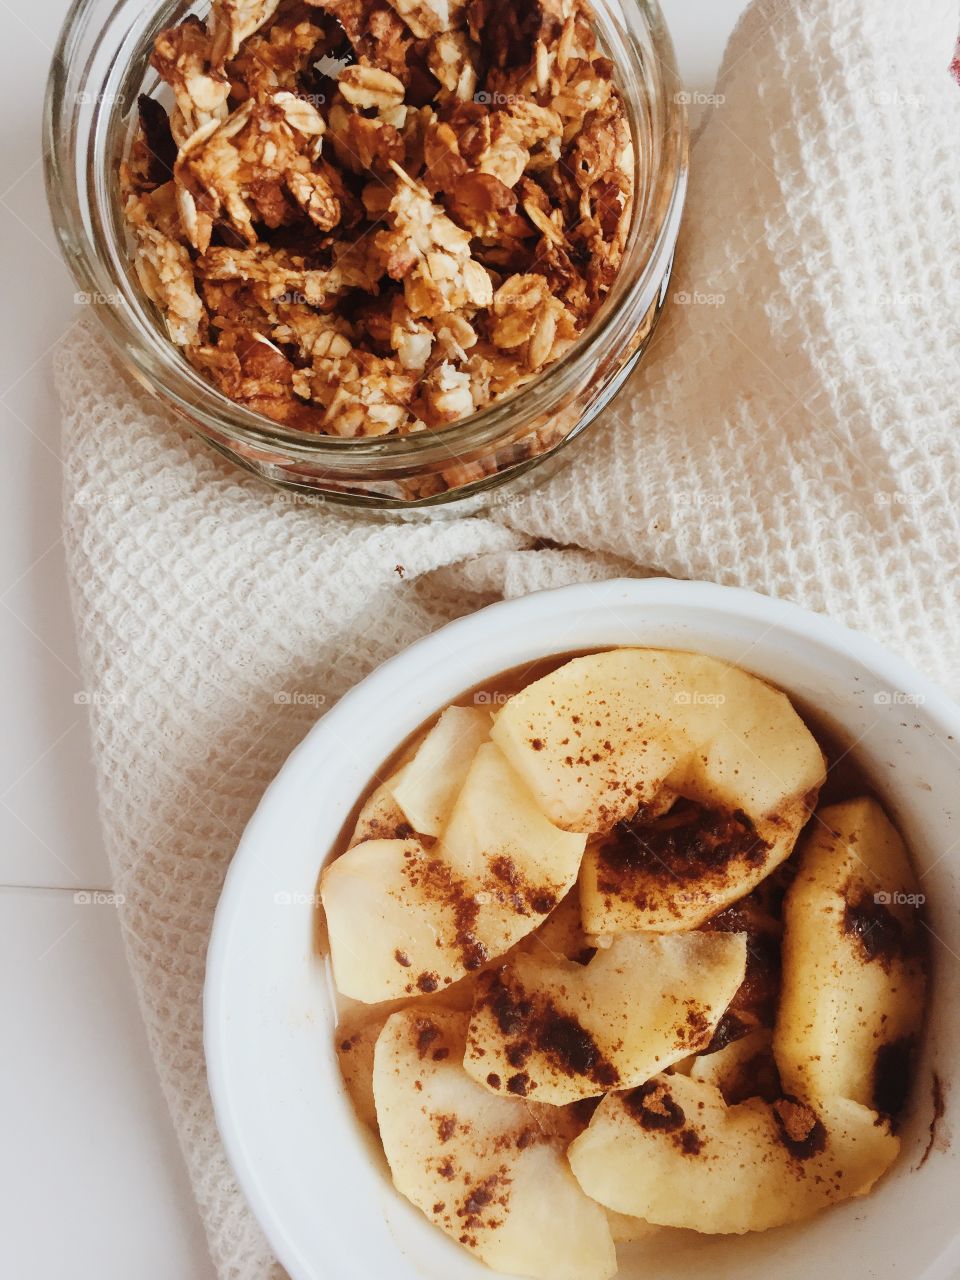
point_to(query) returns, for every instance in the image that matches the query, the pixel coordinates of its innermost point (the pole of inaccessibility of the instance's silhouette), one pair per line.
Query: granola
(362, 218)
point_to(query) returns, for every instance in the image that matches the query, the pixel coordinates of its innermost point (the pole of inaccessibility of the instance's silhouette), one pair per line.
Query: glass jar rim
(160, 367)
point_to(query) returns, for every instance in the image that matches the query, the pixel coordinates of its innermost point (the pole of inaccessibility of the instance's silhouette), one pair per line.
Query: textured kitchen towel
(796, 430)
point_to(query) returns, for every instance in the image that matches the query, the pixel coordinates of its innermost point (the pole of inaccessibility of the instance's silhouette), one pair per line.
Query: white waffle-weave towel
(796, 430)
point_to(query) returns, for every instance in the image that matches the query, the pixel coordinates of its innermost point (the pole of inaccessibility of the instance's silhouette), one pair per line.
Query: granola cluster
(362, 217)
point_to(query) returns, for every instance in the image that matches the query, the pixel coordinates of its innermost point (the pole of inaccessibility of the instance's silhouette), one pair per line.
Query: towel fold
(794, 430)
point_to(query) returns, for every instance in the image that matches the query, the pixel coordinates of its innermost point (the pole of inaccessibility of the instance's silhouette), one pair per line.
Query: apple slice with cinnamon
(692, 777)
(556, 1031)
(673, 1153)
(410, 916)
(481, 1168)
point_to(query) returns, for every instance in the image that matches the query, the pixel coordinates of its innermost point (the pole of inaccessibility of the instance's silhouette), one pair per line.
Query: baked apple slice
(480, 1167)
(605, 733)
(694, 777)
(405, 919)
(557, 1031)
(742, 1069)
(561, 935)
(357, 1036)
(358, 1030)
(426, 787)
(419, 796)
(630, 1230)
(853, 979)
(380, 818)
(673, 1153)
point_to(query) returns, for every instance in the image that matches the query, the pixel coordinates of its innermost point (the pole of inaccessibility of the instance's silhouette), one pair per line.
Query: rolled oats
(450, 60)
(232, 21)
(365, 217)
(367, 87)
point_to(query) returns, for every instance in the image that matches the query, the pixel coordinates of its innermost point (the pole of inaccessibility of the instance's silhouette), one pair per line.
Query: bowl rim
(428, 654)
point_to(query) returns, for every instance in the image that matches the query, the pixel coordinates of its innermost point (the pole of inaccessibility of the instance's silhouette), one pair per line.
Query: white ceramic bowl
(316, 1180)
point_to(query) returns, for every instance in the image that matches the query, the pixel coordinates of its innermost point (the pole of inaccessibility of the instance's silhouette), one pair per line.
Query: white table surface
(91, 1179)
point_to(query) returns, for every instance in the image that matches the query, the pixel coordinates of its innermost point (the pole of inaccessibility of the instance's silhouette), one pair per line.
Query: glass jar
(101, 65)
